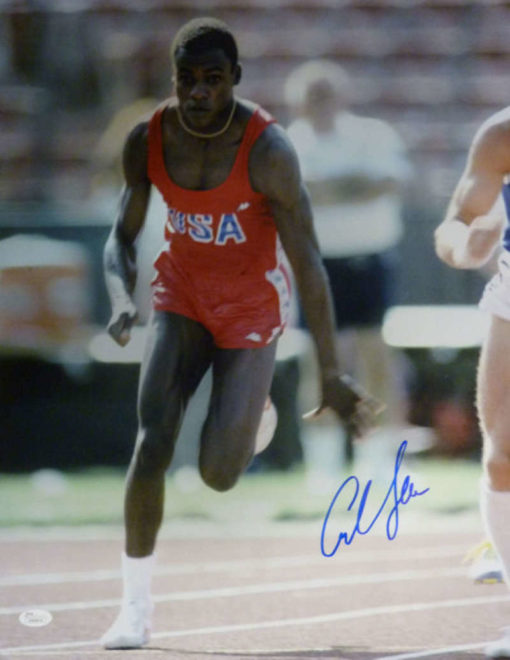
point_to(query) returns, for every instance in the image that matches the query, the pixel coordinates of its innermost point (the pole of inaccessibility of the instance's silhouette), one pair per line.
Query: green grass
(453, 483)
(95, 496)
(52, 498)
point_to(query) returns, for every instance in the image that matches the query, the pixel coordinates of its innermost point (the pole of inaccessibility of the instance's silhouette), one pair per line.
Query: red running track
(223, 593)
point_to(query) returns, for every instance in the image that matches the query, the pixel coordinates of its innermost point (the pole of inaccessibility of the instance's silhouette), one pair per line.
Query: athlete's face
(204, 86)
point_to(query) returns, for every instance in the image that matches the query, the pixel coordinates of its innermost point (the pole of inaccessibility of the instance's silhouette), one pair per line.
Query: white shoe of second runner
(486, 567)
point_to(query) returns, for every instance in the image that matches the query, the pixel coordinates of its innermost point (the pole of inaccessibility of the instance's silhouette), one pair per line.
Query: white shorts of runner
(496, 295)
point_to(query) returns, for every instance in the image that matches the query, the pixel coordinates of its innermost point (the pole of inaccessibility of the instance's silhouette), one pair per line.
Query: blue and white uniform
(496, 295)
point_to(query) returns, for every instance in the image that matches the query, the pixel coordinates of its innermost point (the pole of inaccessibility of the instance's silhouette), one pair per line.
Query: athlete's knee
(225, 451)
(496, 464)
(219, 477)
(220, 470)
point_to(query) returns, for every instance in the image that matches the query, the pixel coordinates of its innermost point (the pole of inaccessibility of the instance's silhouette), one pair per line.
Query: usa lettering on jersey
(201, 228)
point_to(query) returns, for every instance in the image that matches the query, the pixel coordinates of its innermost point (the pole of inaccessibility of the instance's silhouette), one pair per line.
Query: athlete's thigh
(493, 385)
(241, 383)
(177, 354)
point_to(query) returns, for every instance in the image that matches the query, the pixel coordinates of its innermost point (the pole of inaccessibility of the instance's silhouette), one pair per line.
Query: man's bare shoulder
(491, 144)
(273, 162)
(274, 142)
(495, 128)
(138, 134)
(273, 147)
(135, 153)
(499, 119)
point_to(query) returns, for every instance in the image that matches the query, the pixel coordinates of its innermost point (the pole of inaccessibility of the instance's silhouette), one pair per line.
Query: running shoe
(132, 627)
(485, 564)
(267, 426)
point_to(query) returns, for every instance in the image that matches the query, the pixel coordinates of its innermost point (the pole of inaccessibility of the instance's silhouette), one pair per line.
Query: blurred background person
(354, 168)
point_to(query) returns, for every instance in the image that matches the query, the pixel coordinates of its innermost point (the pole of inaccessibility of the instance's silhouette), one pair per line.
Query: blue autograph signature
(400, 495)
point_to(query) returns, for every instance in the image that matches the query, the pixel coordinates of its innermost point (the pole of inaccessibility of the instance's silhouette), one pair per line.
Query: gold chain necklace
(206, 135)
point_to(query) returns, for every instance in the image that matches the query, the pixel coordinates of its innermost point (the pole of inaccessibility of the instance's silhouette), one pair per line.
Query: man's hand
(468, 246)
(356, 409)
(483, 236)
(122, 320)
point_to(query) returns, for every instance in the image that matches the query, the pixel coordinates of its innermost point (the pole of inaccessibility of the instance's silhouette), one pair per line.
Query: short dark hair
(201, 34)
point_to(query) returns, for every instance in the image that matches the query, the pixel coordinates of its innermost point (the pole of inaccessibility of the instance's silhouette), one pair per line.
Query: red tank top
(218, 233)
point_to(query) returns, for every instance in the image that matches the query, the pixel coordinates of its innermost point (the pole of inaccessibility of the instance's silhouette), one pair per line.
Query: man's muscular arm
(119, 252)
(473, 224)
(274, 171)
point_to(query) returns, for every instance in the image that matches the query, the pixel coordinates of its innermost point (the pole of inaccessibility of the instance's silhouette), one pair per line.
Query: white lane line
(252, 589)
(33, 579)
(415, 655)
(282, 623)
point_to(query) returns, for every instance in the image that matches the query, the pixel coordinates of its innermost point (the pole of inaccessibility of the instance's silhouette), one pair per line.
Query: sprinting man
(467, 237)
(236, 203)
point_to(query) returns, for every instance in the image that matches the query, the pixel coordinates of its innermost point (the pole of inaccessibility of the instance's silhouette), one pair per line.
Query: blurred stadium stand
(433, 68)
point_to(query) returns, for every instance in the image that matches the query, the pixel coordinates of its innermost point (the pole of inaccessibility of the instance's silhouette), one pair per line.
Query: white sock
(137, 575)
(495, 510)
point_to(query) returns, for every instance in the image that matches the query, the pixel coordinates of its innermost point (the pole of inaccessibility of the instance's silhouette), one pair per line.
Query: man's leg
(177, 355)
(494, 411)
(241, 383)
